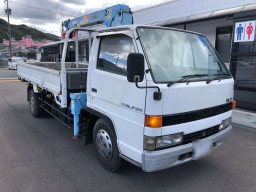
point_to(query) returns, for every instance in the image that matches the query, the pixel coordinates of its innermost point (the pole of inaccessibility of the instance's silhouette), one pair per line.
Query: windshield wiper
(213, 79)
(195, 75)
(178, 81)
(186, 77)
(222, 74)
(217, 77)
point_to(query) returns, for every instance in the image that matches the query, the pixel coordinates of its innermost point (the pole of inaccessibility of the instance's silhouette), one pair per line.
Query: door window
(223, 42)
(114, 50)
(84, 51)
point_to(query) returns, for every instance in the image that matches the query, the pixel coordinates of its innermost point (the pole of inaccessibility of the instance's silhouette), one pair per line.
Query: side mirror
(135, 67)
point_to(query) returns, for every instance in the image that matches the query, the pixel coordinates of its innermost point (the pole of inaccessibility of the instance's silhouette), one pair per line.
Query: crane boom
(111, 16)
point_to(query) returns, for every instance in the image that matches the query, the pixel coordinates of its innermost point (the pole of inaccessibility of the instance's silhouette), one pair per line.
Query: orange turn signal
(153, 121)
(233, 104)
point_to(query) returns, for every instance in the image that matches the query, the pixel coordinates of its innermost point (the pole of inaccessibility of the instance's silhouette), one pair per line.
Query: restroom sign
(244, 31)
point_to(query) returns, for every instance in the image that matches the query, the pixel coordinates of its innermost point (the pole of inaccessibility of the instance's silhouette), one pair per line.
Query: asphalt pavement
(6, 73)
(38, 154)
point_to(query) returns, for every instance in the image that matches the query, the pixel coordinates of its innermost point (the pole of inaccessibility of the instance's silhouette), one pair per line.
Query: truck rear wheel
(105, 142)
(34, 105)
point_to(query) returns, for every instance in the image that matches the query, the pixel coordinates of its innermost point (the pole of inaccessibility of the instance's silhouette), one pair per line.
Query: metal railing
(63, 78)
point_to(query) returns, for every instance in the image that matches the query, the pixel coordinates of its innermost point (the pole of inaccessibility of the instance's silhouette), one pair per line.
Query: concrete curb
(244, 118)
(243, 127)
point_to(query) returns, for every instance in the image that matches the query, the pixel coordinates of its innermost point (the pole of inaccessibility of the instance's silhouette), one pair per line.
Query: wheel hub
(104, 144)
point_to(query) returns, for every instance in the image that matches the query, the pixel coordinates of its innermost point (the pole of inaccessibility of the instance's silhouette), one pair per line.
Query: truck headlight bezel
(225, 123)
(165, 141)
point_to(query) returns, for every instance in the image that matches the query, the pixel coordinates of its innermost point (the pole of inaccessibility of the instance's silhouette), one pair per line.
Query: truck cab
(166, 91)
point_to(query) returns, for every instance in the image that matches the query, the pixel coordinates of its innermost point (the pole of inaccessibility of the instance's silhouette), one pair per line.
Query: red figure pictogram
(249, 30)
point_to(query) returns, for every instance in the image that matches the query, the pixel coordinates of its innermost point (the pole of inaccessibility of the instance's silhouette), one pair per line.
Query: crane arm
(112, 16)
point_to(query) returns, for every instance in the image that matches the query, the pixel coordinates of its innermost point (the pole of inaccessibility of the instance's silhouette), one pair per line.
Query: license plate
(201, 148)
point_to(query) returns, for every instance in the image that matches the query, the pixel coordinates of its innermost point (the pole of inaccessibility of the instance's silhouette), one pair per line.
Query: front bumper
(162, 159)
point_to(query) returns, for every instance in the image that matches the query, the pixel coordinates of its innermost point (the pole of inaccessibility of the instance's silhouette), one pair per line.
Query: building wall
(183, 8)
(38, 56)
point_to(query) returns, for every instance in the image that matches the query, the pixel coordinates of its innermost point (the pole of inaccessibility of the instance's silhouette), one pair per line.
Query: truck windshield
(177, 55)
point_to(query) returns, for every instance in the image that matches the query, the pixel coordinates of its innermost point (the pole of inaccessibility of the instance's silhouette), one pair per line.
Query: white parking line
(13, 78)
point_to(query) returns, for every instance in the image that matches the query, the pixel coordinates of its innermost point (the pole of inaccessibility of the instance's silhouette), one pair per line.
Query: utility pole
(8, 12)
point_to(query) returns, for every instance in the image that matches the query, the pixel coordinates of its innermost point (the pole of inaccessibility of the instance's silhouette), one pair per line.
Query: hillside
(19, 31)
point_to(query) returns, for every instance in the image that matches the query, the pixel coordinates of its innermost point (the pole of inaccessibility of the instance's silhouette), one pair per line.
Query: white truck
(153, 96)
(13, 62)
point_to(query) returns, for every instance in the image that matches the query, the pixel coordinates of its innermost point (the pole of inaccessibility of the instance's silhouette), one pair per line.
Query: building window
(223, 42)
(114, 50)
(243, 69)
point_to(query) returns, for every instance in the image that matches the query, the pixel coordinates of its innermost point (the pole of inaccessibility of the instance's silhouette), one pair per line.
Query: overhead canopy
(206, 16)
(175, 12)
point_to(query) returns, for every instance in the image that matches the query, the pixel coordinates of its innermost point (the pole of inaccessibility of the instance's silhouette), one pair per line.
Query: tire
(105, 143)
(34, 105)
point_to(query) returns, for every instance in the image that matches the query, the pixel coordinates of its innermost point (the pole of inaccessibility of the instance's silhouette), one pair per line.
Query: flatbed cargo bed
(46, 75)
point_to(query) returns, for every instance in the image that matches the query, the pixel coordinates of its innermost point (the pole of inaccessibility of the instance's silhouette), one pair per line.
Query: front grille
(195, 115)
(200, 134)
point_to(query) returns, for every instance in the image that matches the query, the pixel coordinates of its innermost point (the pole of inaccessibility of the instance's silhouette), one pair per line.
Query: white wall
(38, 56)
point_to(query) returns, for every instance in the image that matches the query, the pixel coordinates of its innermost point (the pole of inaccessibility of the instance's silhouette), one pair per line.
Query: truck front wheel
(105, 142)
(34, 105)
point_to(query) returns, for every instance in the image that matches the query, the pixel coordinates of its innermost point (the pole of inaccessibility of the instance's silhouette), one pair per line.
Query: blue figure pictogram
(239, 32)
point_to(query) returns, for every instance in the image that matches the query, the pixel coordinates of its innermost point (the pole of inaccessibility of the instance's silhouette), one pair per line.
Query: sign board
(244, 31)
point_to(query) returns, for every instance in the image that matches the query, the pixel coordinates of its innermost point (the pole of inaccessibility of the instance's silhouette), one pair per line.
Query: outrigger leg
(78, 102)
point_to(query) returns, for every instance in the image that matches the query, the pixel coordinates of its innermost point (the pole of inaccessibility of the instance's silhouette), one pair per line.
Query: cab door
(111, 93)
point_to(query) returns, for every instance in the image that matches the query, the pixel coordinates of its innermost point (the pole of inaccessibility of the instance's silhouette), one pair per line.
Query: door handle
(94, 90)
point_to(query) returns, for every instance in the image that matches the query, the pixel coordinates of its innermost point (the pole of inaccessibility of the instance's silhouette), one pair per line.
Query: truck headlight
(169, 140)
(225, 123)
(152, 143)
